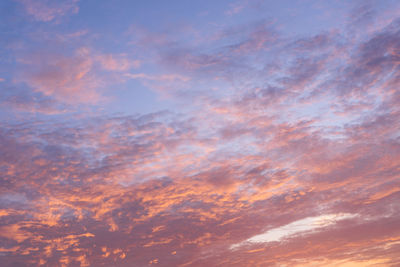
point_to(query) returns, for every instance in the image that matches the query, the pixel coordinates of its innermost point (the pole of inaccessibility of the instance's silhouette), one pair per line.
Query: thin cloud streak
(306, 225)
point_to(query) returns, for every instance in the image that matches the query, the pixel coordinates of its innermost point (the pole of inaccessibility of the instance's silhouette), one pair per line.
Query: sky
(199, 133)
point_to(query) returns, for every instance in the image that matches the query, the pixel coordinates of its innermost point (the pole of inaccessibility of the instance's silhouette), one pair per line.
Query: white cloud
(297, 227)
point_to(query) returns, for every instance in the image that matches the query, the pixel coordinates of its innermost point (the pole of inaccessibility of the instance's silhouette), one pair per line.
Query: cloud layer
(275, 149)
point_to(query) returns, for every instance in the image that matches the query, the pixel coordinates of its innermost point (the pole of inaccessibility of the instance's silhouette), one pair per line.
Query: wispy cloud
(75, 78)
(43, 10)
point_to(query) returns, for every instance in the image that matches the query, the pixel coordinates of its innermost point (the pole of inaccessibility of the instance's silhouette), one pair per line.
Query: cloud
(46, 11)
(117, 63)
(307, 225)
(235, 8)
(76, 78)
(281, 151)
(67, 79)
(126, 176)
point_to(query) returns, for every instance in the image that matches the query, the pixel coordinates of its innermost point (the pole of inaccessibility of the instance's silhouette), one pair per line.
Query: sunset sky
(199, 133)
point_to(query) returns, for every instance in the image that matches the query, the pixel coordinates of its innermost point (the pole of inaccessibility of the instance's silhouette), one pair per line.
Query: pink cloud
(117, 63)
(67, 79)
(77, 78)
(44, 10)
(219, 201)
